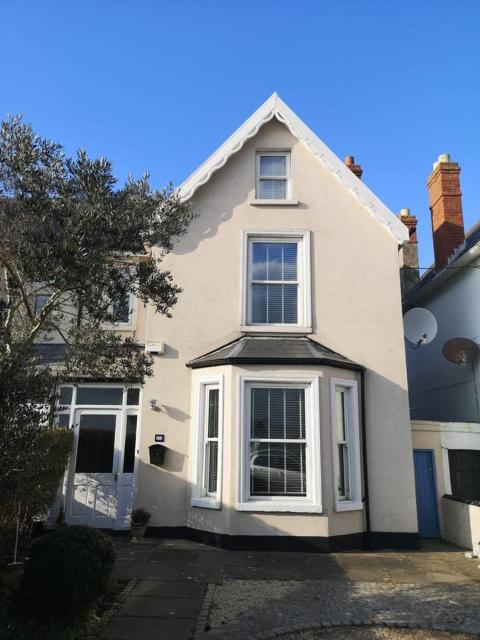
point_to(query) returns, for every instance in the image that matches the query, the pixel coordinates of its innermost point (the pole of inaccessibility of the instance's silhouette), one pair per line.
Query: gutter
(366, 498)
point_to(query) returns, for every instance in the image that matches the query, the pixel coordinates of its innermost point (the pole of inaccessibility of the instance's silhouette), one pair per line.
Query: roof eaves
(339, 364)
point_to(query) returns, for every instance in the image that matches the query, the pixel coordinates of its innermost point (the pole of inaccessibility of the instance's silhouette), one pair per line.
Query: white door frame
(122, 520)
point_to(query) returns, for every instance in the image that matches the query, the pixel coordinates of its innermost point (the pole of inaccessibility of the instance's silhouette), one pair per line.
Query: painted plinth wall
(356, 311)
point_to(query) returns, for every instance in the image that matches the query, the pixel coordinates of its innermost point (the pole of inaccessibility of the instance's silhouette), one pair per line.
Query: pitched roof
(275, 107)
(273, 350)
(468, 251)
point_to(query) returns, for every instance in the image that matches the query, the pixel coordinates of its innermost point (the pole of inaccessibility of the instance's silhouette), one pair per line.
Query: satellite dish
(460, 350)
(420, 326)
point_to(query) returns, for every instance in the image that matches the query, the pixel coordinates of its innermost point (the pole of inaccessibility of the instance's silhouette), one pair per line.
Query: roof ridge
(274, 106)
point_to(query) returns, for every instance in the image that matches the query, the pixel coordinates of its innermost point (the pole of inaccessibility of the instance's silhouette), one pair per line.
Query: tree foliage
(71, 233)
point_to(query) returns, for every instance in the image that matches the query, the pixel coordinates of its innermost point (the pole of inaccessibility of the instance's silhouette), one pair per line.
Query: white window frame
(352, 429)
(200, 496)
(287, 177)
(304, 296)
(312, 502)
(119, 326)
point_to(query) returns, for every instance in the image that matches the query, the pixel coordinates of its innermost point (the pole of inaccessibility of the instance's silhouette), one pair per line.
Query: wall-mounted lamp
(153, 404)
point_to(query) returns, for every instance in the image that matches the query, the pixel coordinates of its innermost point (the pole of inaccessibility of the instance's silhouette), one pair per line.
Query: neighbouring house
(444, 396)
(277, 414)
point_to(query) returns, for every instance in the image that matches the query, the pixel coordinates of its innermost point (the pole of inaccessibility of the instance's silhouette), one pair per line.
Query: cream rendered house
(278, 413)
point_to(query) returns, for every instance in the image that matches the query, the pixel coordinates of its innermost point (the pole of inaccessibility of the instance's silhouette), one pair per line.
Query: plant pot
(138, 533)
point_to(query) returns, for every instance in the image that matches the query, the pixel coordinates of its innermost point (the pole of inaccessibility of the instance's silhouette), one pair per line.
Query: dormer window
(273, 175)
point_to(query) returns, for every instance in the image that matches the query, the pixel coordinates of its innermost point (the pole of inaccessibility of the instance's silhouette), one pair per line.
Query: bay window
(279, 468)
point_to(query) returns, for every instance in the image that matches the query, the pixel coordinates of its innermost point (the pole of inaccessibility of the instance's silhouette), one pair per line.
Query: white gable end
(274, 107)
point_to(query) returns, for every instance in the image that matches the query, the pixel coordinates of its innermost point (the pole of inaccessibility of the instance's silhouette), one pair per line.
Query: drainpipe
(365, 465)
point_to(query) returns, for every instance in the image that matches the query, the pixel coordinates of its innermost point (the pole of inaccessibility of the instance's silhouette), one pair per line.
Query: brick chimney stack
(409, 273)
(356, 168)
(446, 209)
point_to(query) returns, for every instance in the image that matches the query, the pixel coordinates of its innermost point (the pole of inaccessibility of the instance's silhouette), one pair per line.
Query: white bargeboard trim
(275, 107)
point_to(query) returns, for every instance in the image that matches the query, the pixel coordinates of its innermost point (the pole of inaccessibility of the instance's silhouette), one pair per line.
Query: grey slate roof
(274, 350)
(471, 239)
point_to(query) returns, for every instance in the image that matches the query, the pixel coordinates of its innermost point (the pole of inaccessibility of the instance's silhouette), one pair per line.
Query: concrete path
(171, 578)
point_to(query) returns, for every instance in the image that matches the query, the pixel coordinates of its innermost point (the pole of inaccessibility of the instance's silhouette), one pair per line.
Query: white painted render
(356, 311)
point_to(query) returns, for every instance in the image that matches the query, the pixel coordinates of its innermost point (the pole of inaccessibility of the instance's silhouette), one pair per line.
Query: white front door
(93, 494)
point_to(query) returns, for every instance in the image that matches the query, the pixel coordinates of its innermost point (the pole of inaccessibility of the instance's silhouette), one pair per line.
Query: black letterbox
(157, 454)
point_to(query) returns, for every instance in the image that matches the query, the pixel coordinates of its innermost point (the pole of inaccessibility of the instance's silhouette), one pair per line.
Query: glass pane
(213, 395)
(41, 300)
(259, 422)
(275, 261)
(342, 480)
(133, 396)
(341, 436)
(65, 395)
(63, 420)
(273, 165)
(277, 469)
(259, 260)
(100, 395)
(278, 414)
(275, 303)
(129, 451)
(212, 461)
(273, 189)
(121, 308)
(290, 303)
(289, 260)
(295, 413)
(259, 303)
(96, 444)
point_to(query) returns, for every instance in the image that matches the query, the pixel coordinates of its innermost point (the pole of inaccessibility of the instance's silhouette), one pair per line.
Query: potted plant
(140, 519)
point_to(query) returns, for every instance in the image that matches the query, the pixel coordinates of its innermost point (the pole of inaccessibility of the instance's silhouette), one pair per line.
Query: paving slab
(134, 628)
(278, 591)
(170, 589)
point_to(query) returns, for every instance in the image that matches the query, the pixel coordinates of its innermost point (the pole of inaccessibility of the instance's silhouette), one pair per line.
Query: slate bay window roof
(274, 350)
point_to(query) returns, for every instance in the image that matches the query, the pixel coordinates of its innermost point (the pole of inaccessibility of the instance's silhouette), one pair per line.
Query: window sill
(273, 203)
(206, 503)
(286, 328)
(349, 505)
(272, 506)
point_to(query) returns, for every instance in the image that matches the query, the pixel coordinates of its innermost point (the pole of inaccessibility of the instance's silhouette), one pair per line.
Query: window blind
(277, 442)
(274, 273)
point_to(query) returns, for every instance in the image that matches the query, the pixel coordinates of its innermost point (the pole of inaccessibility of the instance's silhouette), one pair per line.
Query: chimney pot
(404, 212)
(354, 168)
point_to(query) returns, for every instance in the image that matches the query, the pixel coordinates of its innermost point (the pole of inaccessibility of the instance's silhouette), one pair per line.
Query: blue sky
(157, 85)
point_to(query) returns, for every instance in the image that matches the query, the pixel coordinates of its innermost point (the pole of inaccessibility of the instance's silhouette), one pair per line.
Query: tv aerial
(460, 351)
(420, 327)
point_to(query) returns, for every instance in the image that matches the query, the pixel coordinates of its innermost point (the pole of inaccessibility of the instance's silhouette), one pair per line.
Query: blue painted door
(426, 493)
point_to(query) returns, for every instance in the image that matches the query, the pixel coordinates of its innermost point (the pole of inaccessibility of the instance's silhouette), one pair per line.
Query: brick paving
(436, 587)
